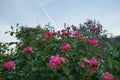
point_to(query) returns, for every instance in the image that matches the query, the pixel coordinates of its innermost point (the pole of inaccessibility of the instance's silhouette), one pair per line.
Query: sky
(58, 12)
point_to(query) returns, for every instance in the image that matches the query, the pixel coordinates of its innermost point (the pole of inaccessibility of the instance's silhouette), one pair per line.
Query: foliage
(74, 53)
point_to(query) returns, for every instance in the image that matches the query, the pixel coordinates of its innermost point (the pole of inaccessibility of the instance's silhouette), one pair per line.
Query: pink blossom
(28, 50)
(76, 35)
(100, 55)
(74, 27)
(84, 40)
(66, 47)
(37, 29)
(62, 30)
(30, 29)
(93, 65)
(82, 65)
(90, 42)
(66, 33)
(93, 42)
(108, 76)
(55, 33)
(86, 60)
(95, 28)
(56, 61)
(63, 33)
(93, 68)
(48, 35)
(10, 65)
(93, 62)
(18, 45)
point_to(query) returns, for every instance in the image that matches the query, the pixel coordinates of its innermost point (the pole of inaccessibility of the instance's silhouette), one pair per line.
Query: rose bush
(74, 53)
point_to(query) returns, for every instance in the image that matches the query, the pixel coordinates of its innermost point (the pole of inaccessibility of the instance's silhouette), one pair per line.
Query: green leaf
(11, 33)
(12, 27)
(11, 43)
(34, 69)
(21, 73)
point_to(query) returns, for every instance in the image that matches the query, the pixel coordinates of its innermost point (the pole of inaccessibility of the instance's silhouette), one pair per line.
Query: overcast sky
(58, 12)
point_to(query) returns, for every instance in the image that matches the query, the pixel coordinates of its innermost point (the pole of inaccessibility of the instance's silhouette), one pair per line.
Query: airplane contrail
(48, 15)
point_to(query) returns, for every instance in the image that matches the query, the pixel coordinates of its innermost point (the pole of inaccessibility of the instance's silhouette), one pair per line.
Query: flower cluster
(108, 76)
(95, 28)
(76, 35)
(56, 61)
(28, 50)
(73, 53)
(65, 33)
(66, 47)
(48, 35)
(10, 65)
(93, 64)
(90, 42)
(32, 29)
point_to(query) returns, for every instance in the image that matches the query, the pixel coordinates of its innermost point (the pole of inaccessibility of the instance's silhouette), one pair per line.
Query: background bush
(36, 66)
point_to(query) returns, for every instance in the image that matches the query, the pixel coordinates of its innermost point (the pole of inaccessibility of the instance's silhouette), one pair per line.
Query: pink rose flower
(93, 62)
(48, 35)
(10, 65)
(62, 30)
(108, 76)
(56, 61)
(28, 50)
(55, 33)
(82, 66)
(100, 55)
(93, 42)
(66, 33)
(74, 27)
(93, 68)
(30, 29)
(86, 60)
(93, 65)
(76, 35)
(18, 45)
(95, 28)
(63, 33)
(84, 40)
(66, 47)
(37, 29)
